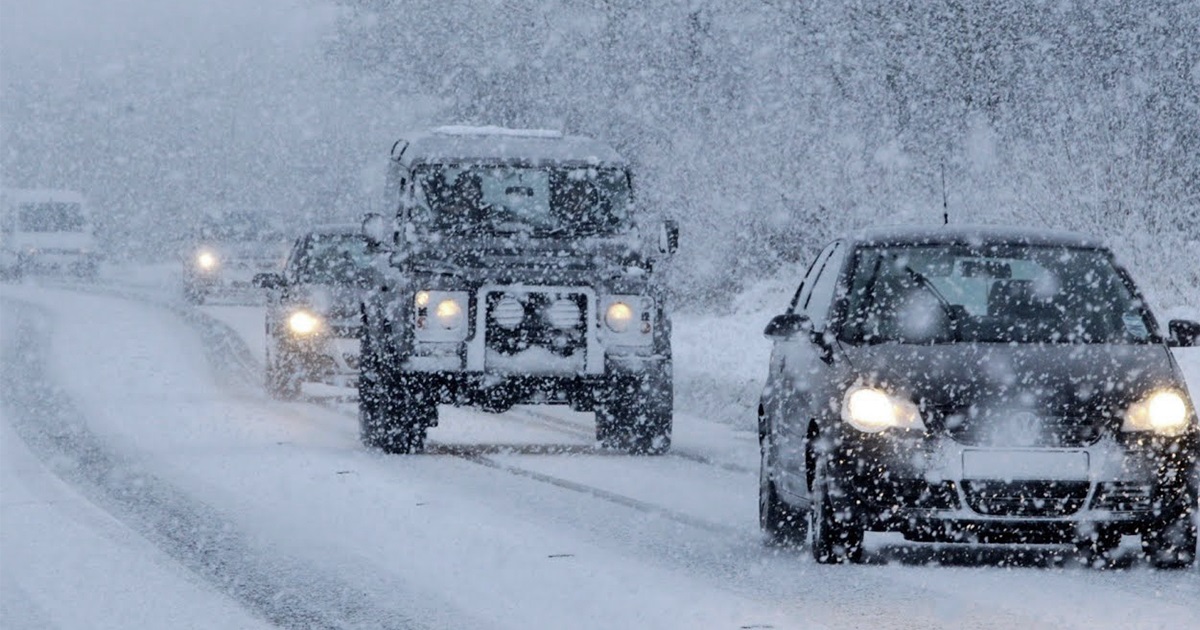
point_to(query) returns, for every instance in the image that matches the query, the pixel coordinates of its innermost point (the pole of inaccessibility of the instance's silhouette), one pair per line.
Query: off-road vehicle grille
(518, 321)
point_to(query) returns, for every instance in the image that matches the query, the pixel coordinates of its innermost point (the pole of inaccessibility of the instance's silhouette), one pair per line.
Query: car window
(820, 300)
(1003, 294)
(332, 259)
(805, 288)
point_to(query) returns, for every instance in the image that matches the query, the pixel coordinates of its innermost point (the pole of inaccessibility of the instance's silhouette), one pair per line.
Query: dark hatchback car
(976, 385)
(313, 315)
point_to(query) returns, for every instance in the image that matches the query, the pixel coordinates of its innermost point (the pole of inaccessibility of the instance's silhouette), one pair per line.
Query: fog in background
(763, 127)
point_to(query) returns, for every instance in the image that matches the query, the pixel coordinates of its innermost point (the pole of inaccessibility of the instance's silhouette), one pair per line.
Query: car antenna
(945, 204)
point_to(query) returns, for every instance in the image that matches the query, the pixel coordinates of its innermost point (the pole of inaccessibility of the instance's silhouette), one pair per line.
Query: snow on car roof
(497, 144)
(27, 195)
(972, 235)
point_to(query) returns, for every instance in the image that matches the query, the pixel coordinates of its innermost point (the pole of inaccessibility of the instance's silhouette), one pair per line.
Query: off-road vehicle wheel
(635, 416)
(391, 417)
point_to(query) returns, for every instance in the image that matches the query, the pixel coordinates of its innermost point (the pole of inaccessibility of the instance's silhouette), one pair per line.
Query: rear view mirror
(668, 237)
(1183, 333)
(268, 281)
(787, 326)
(375, 229)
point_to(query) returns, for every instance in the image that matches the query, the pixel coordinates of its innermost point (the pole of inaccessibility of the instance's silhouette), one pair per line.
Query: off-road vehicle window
(996, 294)
(510, 199)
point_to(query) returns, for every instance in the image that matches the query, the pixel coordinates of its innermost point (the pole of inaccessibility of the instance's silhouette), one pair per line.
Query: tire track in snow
(283, 591)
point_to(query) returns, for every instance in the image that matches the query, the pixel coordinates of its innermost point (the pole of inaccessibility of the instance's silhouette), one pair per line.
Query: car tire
(1172, 544)
(1096, 548)
(782, 525)
(391, 418)
(636, 416)
(283, 381)
(193, 294)
(837, 537)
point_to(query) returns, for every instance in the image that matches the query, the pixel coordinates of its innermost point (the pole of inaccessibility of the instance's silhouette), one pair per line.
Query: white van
(46, 230)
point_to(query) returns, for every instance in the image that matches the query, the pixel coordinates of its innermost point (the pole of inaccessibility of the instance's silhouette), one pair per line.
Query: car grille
(1021, 429)
(1122, 496)
(1025, 498)
(520, 320)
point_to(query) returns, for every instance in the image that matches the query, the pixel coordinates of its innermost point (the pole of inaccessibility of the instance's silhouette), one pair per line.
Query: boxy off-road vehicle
(517, 274)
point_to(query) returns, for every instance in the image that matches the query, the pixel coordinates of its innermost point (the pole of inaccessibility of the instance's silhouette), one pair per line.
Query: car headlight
(872, 410)
(1164, 412)
(440, 315)
(206, 261)
(303, 323)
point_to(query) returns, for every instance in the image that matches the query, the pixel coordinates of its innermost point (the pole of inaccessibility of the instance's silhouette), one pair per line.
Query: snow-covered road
(148, 482)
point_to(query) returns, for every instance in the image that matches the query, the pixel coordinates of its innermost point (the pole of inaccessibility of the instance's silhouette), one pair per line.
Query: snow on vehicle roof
(972, 235)
(497, 144)
(492, 130)
(27, 195)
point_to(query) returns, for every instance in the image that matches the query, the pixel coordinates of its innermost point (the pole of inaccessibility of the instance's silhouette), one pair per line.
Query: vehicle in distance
(977, 385)
(226, 250)
(46, 231)
(518, 276)
(313, 315)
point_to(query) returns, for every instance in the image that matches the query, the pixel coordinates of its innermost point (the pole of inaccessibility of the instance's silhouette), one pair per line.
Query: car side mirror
(787, 326)
(269, 281)
(668, 237)
(375, 229)
(1183, 333)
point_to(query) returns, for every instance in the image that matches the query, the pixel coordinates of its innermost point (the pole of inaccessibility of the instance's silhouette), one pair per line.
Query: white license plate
(1020, 464)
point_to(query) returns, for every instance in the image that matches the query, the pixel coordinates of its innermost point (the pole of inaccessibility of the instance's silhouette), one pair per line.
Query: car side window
(821, 298)
(800, 299)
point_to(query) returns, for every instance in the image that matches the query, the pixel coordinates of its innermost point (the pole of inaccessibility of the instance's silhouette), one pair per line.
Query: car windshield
(333, 259)
(1010, 293)
(52, 217)
(501, 199)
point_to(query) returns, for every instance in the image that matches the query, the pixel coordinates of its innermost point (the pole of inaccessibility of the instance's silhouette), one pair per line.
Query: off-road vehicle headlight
(1164, 412)
(629, 319)
(872, 410)
(440, 315)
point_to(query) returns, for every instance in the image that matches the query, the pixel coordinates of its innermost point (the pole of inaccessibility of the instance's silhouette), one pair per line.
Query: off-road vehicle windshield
(1010, 293)
(508, 199)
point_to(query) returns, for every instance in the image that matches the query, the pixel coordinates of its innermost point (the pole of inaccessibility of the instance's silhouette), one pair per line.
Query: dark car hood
(1051, 379)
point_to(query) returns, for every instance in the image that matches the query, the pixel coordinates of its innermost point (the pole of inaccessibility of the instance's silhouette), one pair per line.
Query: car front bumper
(937, 489)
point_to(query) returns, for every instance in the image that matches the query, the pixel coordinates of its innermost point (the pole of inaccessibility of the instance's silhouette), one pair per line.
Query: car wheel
(837, 536)
(193, 294)
(283, 381)
(636, 416)
(781, 524)
(390, 418)
(1172, 545)
(1096, 548)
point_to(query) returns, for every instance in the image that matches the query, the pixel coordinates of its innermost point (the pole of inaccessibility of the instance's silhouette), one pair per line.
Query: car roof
(346, 229)
(499, 144)
(975, 235)
(36, 195)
